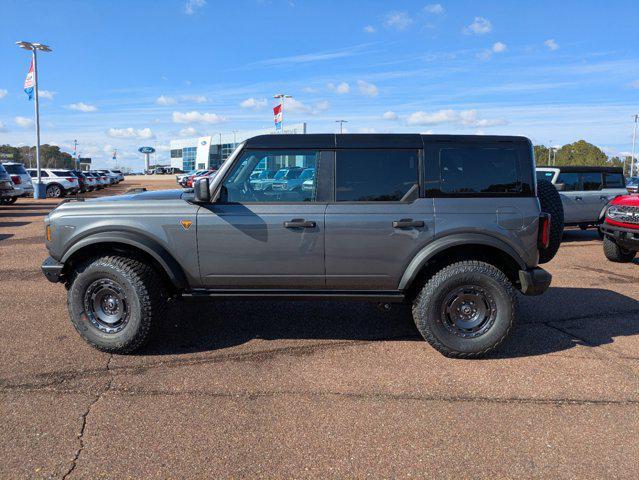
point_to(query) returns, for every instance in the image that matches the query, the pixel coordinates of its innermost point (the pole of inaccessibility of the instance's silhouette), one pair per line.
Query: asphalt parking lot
(279, 389)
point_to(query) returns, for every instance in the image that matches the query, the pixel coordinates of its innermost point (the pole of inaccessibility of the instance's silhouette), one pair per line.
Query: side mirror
(201, 192)
(560, 187)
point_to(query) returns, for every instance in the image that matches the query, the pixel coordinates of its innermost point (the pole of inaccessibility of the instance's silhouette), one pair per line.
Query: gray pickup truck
(450, 224)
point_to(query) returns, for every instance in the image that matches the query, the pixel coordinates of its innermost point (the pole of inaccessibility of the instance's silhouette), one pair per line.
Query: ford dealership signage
(146, 150)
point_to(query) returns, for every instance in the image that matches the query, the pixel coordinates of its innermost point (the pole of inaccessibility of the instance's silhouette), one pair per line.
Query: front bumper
(52, 269)
(534, 281)
(627, 238)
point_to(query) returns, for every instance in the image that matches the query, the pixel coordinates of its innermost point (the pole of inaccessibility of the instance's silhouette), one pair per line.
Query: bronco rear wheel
(466, 309)
(113, 302)
(550, 202)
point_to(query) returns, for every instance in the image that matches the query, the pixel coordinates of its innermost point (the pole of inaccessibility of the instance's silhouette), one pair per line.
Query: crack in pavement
(85, 415)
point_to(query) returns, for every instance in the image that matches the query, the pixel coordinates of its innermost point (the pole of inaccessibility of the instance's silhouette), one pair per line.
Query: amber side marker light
(48, 233)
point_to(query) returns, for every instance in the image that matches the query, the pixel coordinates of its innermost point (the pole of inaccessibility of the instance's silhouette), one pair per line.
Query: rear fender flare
(441, 244)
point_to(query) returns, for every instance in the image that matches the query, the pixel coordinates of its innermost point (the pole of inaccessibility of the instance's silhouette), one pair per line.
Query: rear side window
(376, 175)
(15, 169)
(570, 181)
(479, 170)
(591, 180)
(63, 173)
(613, 180)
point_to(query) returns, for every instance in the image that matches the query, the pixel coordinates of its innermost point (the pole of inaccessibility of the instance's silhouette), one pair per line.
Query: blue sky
(130, 73)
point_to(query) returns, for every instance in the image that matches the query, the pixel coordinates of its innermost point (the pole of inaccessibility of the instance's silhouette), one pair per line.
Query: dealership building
(210, 152)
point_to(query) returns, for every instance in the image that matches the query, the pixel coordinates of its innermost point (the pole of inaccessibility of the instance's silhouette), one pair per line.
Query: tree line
(580, 153)
(50, 156)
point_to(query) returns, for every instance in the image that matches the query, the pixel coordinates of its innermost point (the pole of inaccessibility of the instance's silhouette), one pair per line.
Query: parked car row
(16, 181)
(186, 180)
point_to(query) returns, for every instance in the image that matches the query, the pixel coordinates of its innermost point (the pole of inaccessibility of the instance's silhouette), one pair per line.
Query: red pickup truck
(621, 229)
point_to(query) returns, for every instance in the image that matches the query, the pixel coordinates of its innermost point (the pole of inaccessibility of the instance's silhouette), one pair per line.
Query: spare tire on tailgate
(550, 202)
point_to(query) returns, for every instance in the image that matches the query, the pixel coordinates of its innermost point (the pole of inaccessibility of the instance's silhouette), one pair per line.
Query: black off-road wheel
(466, 309)
(550, 202)
(114, 301)
(615, 253)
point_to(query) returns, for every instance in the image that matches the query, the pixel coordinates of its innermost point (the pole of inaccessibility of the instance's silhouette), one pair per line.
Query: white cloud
(144, 133)
(309, 90)
(191, 6)
(165, 100)
(369, 29)
(340, 88)
(46, 94)
(467, 118)
(366, 130)
(390, 115)
(551, 44)
(3, 93)
(425, 118)
(2, 127)
(479, 26)
(397, 20)
(23, 122)
(82, 107)
(254, 103)
(634, 84)
(367, 89)
(195, 98)
(323, 105)
(189, 132)
(434, 8)
(499, 47)
(197, 117)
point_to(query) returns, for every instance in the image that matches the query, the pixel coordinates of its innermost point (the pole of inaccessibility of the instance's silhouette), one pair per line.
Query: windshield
(307, 174)
(280, 174)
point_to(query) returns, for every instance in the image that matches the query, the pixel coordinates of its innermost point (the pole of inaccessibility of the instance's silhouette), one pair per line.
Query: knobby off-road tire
(550, 202)
(615, 253)
(114, 301)
(452, 289)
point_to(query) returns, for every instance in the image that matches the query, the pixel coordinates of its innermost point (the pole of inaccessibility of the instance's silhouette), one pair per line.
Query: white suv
(21, 180)
(59, 182)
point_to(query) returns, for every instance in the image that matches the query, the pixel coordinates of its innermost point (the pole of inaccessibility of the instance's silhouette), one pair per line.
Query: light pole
(75, 154)
(39, 191)
(634, 139)
(549, 150)
(281, 97)
(341, 123)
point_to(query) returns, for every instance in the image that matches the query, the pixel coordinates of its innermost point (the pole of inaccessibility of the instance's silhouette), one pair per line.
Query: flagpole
(37, 117)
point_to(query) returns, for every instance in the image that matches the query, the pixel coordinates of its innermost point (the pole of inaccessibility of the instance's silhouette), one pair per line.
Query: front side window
(570, 181)
(376, 175)
(479, 170)
(271, 176)
(591, 180)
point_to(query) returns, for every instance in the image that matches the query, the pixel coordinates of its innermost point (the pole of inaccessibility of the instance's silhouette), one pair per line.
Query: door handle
(300, 223)
(407, 223)
(603, 197)
(578, 198)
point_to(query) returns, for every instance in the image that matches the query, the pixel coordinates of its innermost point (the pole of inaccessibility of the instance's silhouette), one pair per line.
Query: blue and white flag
(29, 82)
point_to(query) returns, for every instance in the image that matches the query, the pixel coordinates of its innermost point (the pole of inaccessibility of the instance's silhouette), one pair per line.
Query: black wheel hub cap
(106, 306)
(468, 311)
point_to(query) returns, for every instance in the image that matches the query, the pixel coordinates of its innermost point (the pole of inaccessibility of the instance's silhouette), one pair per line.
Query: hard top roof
(367, 140)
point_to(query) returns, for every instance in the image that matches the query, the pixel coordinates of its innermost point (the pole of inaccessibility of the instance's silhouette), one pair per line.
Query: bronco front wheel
(113, 302)
(466, 309)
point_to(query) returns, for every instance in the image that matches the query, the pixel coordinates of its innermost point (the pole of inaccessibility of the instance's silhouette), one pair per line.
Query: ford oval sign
(146, 150)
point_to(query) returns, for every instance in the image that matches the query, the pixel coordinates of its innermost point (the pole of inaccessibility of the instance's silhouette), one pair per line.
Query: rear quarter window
(613, 180)
(484, 170)
(15, 169)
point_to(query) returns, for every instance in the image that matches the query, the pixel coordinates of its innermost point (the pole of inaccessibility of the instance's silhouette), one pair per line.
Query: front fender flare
(444, 243)
(149, 246)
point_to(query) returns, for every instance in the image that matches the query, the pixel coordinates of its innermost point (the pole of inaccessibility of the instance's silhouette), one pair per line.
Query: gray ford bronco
(453, 225)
